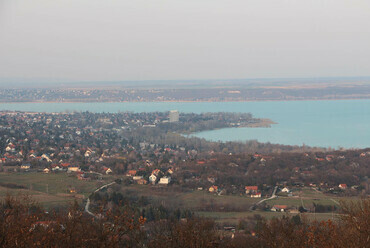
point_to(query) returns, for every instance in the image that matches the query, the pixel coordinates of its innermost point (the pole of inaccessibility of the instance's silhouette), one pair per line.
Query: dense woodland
(24, 224)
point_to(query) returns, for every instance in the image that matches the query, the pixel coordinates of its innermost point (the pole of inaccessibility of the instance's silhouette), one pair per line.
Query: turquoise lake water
(342, 123)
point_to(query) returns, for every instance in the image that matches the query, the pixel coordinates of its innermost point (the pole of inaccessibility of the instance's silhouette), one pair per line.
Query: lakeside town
(184, 124)
(130, 146)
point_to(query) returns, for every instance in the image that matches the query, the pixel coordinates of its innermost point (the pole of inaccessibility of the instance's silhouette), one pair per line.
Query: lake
(340, 123)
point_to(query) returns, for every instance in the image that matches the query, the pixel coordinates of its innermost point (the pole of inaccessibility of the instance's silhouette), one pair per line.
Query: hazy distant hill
(18, 90)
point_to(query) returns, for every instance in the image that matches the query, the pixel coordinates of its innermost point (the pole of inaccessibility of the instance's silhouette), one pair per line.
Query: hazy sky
(183, 39)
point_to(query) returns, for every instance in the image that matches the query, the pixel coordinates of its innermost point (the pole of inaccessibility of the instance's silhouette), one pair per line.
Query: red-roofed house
(279, 208)
(156, 172)
(251, 189)
(342, 186)
(213, 188)
(131, 173)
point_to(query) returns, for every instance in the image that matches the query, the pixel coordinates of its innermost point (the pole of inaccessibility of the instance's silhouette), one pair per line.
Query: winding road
(88, 199)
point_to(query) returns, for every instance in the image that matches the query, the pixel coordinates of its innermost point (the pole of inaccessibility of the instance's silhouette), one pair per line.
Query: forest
(25, 224)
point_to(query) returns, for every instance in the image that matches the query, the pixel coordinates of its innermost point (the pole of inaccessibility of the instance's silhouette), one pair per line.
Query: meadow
(49, 190)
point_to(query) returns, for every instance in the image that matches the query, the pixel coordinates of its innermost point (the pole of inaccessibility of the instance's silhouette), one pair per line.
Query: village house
(156, 172)
(131, 173)
(256, 195)
(25, 167)
(343, 186)
(73, 169)
(164, 180)
(285, 190)
(46, 158)
(152, 178)
(135, 178)
(56, 168)
(213, 189)
(107, 170)
(211, 179)
(279, 208)
(251, 189)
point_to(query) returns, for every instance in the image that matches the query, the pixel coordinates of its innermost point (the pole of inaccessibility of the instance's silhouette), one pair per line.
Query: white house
(164, 180)
(57, 168)
(279, 208)
(285, 190)
(108, 171)
(256, 195)
(152, 178)
(137, 178)
(25, 167)
(46, 157)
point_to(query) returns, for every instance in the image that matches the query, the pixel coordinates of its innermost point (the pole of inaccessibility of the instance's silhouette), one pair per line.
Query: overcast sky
(183, 39)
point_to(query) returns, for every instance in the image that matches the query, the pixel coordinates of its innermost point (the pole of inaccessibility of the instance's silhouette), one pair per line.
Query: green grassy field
(49, 190)
(171, 197)
(307, 197)
(234, 217)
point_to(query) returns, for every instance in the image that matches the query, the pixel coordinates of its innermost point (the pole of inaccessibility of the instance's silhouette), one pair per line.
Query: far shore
(203, 101)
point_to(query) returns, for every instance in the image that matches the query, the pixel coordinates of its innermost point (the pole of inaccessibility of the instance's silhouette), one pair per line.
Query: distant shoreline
(204, 101)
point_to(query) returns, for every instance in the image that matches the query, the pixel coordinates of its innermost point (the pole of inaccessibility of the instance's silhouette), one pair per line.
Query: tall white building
(174, 116)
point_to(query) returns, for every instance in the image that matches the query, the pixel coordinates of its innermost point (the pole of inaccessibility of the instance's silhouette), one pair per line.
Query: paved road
(270, 198)
(88, 199)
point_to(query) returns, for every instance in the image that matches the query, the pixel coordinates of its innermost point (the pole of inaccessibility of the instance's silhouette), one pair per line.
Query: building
(342, 186)
(73, 169)
(25, 166)
(164, 180)
(152, 178)
(174, 116)
(256, 195)
(285, 190)
(213, 189)
(137, 178)
(108, 171)
(279, 208)
(131, 173)
(251, 189)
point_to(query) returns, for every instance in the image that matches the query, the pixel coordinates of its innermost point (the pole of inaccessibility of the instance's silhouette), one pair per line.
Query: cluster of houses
(156, 177)
(252, 191)
(39, 141)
